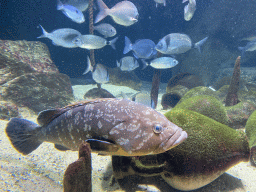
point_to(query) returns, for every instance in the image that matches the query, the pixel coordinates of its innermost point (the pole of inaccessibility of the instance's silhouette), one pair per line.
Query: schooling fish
(62, 37)
(123, 13)
(189, 9)
(105, 29)
(177, 43)
(128, 63)
(162, 63)
(93, 42)
(99, 72)
(111, 126)
(71, 12)
(142, 48)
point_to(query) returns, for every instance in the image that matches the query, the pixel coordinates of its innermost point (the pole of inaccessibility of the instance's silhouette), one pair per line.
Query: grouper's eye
(158, 129)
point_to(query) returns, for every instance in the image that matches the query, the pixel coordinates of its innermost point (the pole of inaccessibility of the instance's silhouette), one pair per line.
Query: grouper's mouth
(177, 138)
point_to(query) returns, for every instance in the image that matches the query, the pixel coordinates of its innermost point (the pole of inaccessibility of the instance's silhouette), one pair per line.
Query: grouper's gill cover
(111, 126)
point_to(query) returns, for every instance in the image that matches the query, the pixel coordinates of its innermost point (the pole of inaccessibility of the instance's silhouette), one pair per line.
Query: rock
(121, 78)
(29, 78)
(8, 110)
(173, 96)
(185, 79)
(205, 105)
(238, 114)
(98, 93)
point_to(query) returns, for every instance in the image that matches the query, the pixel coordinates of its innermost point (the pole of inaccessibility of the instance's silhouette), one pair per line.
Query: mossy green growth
(206, 105)
(238, 114)
(208, 140)
(199, 91)
(250, 129)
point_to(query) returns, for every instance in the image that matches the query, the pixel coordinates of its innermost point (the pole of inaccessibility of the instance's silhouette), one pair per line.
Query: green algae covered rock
(205, 105)
(250, 130)
(199, 91)
(210, 149)
(238, 114)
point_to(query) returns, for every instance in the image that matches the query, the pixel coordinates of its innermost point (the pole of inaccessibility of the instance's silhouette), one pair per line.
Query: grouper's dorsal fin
(46, 116)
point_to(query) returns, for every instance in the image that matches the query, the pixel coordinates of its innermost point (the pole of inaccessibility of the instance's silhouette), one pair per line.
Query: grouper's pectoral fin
(102, 147)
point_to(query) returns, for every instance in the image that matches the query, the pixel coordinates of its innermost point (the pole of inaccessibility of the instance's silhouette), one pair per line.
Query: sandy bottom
(43, 169)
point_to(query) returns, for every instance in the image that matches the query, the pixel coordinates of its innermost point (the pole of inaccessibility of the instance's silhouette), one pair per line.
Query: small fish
(162, 63)
(71, 12)
(189, 9)
(177, 43)
(142, 48)
(105, 29)
(127, 63)
(111, 126)
(62, 37)
(93, 42)
(99, 73)
(123, 13)
(160, 2)
(82, 5)
(250, 46)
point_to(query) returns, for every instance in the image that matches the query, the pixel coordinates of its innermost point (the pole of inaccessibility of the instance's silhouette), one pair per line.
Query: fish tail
(23, 135)
(112, 43)
(128, 45)
(144, 64)
(44, 33)
(118, 64)
(200, 43)
(59, 5)
(89, 66)
(103, 11)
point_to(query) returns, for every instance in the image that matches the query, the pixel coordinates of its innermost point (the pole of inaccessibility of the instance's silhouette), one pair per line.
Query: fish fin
(23, 135)
(118, 64)
(153, 104)
(59, 5)
(184, 1)
(128, 45)
(144, 64)
(200, 43)
(60, 147)
(89, 66)
(101, 146)
(164, 2)
(46, 116)
(103, 11)
(45, 33)
(112, 43)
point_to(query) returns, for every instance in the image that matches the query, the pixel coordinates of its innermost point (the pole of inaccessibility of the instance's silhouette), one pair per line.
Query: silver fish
(111, 126)
(93, 42)
(62, 37)
(127, 63)
(82, 5)
(140, 97)
(123, 13)
(177, 43)
(105, 29)
(71, 12)
(99, 73)
(189, 9)
(162, 63)
(250, 46)
(160, 2)
(142, 48)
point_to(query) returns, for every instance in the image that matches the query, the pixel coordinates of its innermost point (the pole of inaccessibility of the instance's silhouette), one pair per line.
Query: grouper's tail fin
(22, 134)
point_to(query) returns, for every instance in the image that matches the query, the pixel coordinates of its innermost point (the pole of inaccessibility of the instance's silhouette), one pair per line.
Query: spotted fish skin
(112, 127)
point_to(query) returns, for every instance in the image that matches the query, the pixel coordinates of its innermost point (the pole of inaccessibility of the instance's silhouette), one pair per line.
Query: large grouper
(111, 126)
